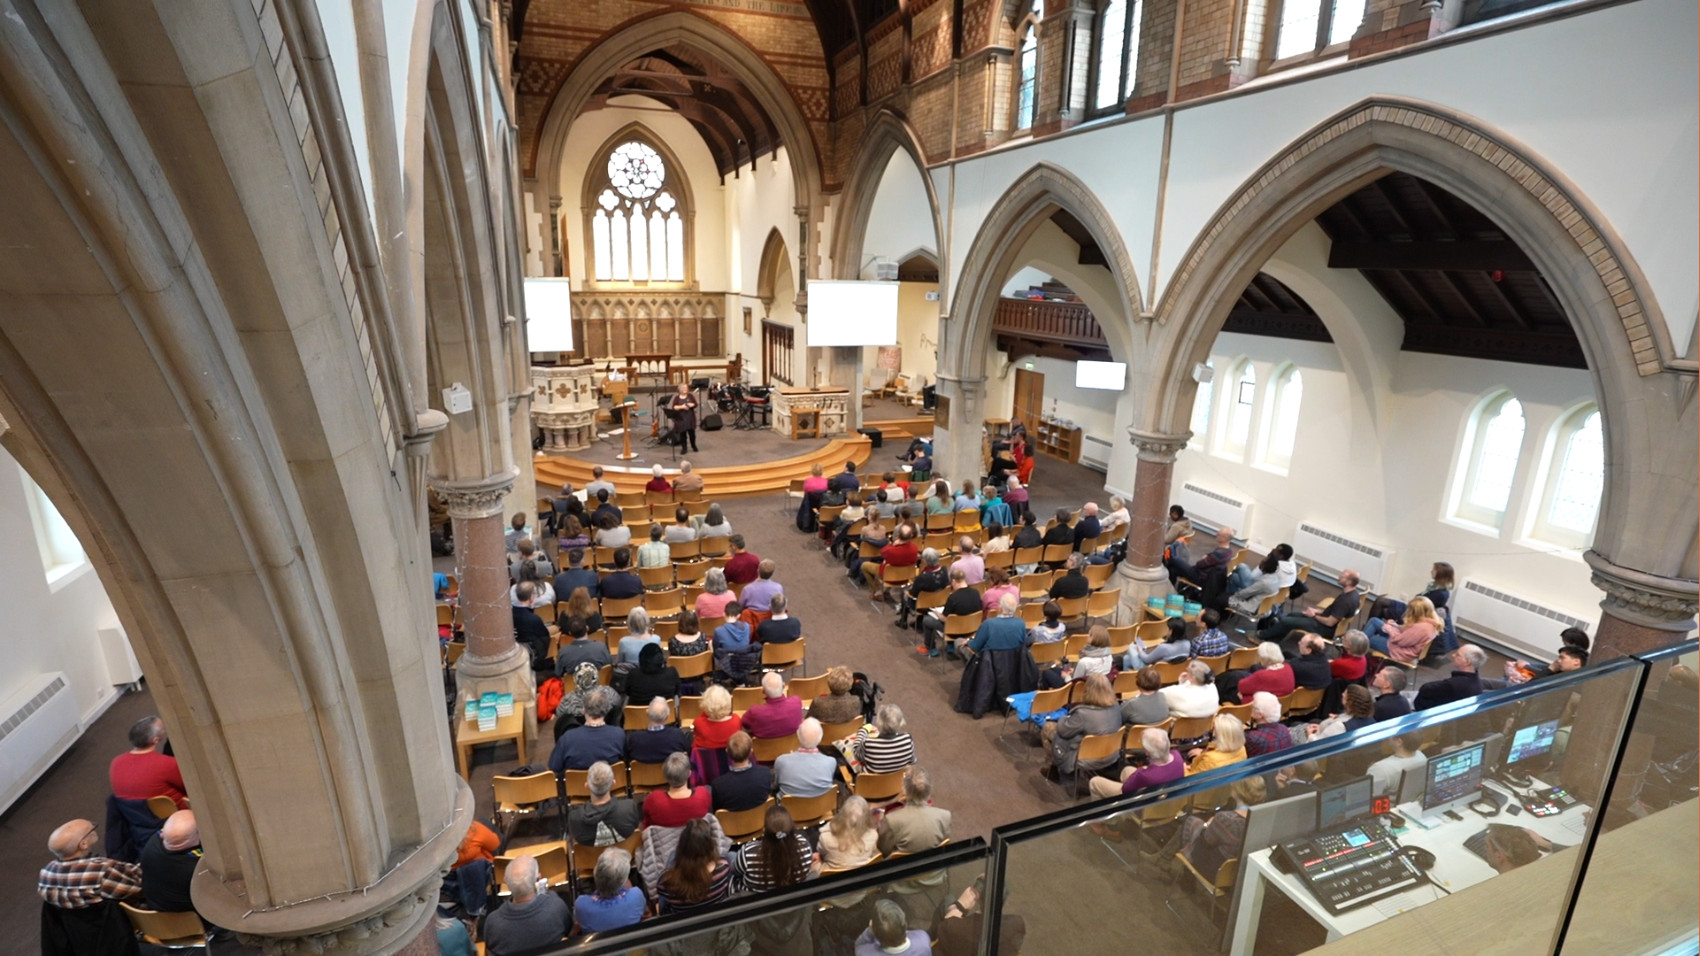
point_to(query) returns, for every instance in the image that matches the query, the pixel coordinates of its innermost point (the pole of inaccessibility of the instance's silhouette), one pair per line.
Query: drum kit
(747, 401)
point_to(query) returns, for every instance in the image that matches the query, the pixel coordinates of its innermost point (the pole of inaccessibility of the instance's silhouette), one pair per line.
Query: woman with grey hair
(631, 646)
(614, 901)
(715, 595)
(886, 745)
(714, 523)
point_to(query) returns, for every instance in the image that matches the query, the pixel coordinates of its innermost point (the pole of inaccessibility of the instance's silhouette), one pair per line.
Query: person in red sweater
(901, 553)
(679, 803)
(1350, 665)
(480, 843)
(1272, 673)
(144, 772)
(658, 482)
(743, 566)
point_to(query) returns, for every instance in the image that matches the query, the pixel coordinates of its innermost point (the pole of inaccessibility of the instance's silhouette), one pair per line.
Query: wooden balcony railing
(1066, 322)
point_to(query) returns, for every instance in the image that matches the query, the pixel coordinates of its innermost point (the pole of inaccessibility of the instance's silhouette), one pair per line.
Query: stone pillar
(1643, 612)
(493, 661)
(1141, 575)
(956, 437)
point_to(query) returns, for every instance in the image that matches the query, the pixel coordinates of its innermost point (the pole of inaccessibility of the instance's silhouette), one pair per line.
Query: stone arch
(1022, 209)
(680, 179)
(767, 273)
(680, 26)
(888, 133)
(1621, 330)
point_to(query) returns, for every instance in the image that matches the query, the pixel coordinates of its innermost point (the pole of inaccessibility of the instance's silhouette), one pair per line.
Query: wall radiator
(1213, 510)
(1517, 623)
(37, 724)
(1095, 454)
(1333, 552)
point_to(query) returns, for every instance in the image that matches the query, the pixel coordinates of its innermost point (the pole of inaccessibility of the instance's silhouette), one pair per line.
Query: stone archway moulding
(888, 133)
(1022, 209)
(767, 274)
(679, 26)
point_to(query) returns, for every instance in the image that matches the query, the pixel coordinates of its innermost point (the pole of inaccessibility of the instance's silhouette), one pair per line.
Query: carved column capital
(467, 500)
(1649, 600)
(1157, 447)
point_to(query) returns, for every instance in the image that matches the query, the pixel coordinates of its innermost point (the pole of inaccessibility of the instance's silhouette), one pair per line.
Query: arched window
(1026, 70)
(1115, 61)
(1286, 393)
(1576, 476)
(1242, 395)
(1314, 26)
(1201, 413)
(61, 553)
(1493, 448)
(638, 216)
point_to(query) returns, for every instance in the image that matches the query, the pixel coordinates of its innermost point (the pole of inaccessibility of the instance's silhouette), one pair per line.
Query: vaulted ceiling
(1461, 285)
(843, 22)
(736, 128)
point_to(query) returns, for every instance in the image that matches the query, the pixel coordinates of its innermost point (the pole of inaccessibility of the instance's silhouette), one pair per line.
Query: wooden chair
(445, 615)
(1074, 644)
(637, 715)
(963, 626)
(628, 499)
(645, 777)
(1095, 747)
(1045, 702)
(577, 783)
(1056, 554)
(832, 733)
(1026, 556)
(690, 708)
(692, 592)
(1098, 575)
(1302, 701)
(713, 547)
(880, 788)
(162, 806)
(515, 797)
(605, 675)
(1242, 658)
(1134, 743)
(1074, 609)
(783, 657)
(941, 541)
(896, 577)
(1000, 559)
(667, 603)
(655, 579)
(697, 506)
(554, 863)
(694, 666)
(685, 550)
(1152, 633)
(743, 698)
(1032, 614)
(868, 550)
(765, 750)
(601, 557)
(1242, 711)
(1170, 671)
(806, 689)
(1219, 663)
(584, 857)
(835, 870)
(614, 609)
(743, 826)
(1217, 886)
(1304, 573)
(688, 573)
(930, 600)
(811, 811)
(169, 930)
(1122, 638)
(653, 498)
(965, 522)
(1047, 654)
(708, 624)
(1191, 728)
(944, 521)
(1036, 586)
(826, 515)
(1126, 684)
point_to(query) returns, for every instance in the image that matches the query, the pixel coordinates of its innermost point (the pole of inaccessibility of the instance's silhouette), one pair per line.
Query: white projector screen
(548, 315)
(844, 312)
(1106, 375)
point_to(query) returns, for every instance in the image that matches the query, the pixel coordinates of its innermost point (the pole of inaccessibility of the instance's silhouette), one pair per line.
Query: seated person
(1272, 673)
(717, 723)
(1267, 733)
(885, 745)
(582, 605)
(1161, 767)
(1093, 712)
(699, 878)
(1359, 712)
(1072, 583)
(1389, 686)
(516, 531)
(168, 862)
(606, 819)
(622, 583)
(1016, 496)
(1061, 532)
(778, 715)
(579, 649)
(1005, 632)
(889, 932)
(1195, 695)
(915, 824)
(1145, 706)
(1311, 668)
(1407, 756)
(932, 577)
(837, 705)
(780, 857)
(654, 553)
(1319, 619)
(758, 595)
(736, 652)
(577, 576)
(900, 553)
(678, 803)
(582, 746)
(746, 784)
(805, 772)
(1405, 642)
(969, 560)
(681, 530)
(529, 629)
(1175, 647)
(1209, 844)
(1520, 672)
(146, 770)
(1354, 661)
(1227, 745)
(653, 677)
(716, 594)
(1464, 681)
(658, 482)
(656, 741)
(688, 482)
(1095, 657)
(1438, 592)
(1211, 641)
(781, 628)
(850, 839)
(529, 919)
(1249, 586)
(610, 533)
(961, 600)
(1087, 529)
(690, 640)
(1216, 560)
(613, 901)
(639, 636)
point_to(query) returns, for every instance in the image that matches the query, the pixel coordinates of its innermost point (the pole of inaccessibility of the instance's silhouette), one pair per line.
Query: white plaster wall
(755, 204)
(917, 335)
(1602, 97)
(900, 221)
(1094, 410)
(1024, 279)
(48, 628)
(587, 136)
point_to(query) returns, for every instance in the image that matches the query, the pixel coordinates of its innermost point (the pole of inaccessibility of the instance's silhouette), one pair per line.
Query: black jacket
(1061, 534)
(991, 677)
(1027, 537)
(530, 630)
(1311, 670)
(1071, 585)
(1460, 685)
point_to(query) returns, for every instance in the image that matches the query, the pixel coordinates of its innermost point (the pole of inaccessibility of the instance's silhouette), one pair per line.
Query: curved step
(725, 481)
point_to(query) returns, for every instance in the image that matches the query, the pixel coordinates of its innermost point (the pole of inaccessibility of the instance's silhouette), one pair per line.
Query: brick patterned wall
(559, 32)
(1391, 24)
(885, 63)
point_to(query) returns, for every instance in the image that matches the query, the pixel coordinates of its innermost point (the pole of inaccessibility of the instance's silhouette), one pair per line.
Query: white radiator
(1095, 453)
(1333, 552)
(37, 724)
(1516, 622)
(1214, 510)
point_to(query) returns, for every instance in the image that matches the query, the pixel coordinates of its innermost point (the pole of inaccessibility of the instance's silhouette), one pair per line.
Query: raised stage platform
(744, 479)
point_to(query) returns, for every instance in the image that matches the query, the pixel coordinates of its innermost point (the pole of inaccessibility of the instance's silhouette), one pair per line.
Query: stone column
(1643, 612)
(493, 661)
(1141, 575)
(956, 440)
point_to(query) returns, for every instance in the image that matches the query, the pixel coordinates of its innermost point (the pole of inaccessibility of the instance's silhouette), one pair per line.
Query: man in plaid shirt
(77, 878)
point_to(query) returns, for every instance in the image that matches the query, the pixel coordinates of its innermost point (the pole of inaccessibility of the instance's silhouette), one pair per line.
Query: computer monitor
(1277, 821)
(1346, 801)
(1528, 745)
(1453, 780)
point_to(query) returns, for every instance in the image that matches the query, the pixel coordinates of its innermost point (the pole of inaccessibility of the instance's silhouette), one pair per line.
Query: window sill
(1273, 468)
(1567, 550)
(1225, 455)
(61, 576)
(1477, 527)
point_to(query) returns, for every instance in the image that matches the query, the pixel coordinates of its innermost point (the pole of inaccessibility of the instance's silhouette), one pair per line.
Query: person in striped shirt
(885, 745)
(77, 877)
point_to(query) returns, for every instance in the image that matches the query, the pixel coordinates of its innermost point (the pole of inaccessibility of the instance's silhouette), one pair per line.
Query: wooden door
(1029, 398)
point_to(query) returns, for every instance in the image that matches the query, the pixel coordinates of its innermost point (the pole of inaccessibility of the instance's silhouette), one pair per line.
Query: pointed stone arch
(767, 273)
(1623, 334)
(888, 133)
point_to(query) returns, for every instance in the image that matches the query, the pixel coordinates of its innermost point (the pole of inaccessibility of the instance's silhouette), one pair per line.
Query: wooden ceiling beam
(1471, 256)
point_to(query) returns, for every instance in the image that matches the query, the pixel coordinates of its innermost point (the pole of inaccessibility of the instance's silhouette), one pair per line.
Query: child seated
(1053, 629)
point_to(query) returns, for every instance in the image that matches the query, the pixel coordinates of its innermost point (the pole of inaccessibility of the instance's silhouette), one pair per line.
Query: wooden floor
(727, 481)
